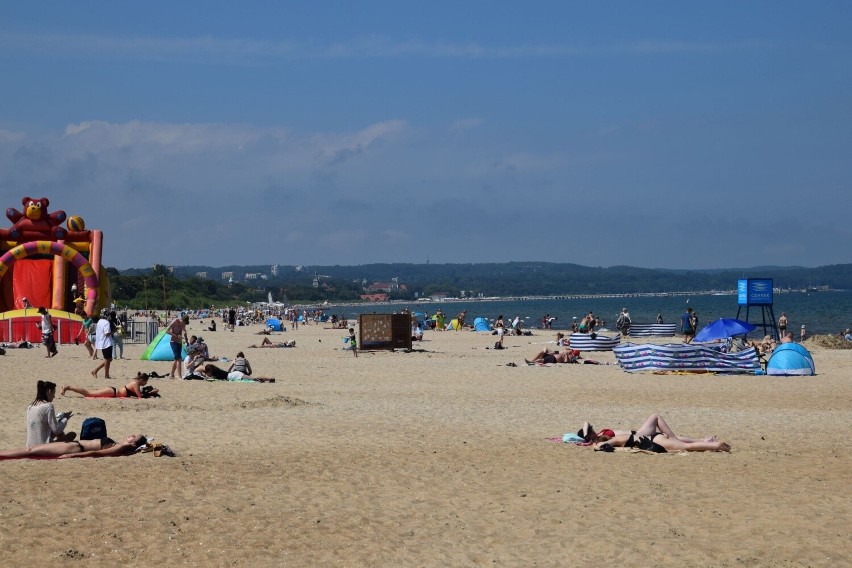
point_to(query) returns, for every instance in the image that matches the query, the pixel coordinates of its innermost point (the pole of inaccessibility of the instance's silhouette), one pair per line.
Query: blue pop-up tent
(790, 359)
(481, 324)
(274, 324)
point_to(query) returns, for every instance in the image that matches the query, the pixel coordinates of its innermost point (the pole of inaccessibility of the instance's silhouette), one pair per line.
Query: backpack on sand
(93, 429)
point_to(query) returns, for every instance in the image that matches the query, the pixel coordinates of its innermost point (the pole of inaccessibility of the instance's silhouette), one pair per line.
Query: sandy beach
(437, 457)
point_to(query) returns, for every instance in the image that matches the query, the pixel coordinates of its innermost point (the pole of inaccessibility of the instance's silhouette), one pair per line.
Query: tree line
(161, 287)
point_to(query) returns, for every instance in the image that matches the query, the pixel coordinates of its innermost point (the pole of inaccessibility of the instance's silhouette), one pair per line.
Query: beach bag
(93, 429)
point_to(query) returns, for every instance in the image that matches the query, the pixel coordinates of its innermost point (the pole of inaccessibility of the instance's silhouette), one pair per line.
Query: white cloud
(178, 193)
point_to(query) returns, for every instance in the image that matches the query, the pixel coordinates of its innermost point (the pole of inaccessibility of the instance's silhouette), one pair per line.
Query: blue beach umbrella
(723, 328)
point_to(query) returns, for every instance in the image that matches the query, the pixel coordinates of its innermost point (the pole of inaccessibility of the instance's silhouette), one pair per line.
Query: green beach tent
(160, 349)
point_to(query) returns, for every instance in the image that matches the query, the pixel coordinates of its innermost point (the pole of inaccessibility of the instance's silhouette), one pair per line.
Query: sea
(821, 312)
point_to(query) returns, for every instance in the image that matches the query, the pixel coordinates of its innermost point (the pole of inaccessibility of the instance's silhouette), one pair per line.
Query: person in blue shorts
(177, 332)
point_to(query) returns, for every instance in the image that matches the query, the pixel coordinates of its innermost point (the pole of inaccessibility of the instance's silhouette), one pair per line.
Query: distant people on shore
(660, 318)
(688, 322)
(782, 324)
(622, 324)
(460, 319)
(847, 334)
(517, 326)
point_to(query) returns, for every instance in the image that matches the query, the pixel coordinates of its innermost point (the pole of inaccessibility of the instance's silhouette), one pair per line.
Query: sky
(658, 135)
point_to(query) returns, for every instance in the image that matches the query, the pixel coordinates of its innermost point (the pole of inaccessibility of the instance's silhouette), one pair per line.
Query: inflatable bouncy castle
(43, 264)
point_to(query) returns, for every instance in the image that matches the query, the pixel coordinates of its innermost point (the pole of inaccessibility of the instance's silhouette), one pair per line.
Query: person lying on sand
(133, 389)
(654, 429)
(543, 357)
(274, 345)
(79, 449)
(214, 372)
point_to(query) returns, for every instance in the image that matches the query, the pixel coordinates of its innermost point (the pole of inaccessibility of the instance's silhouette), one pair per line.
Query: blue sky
(666, 134)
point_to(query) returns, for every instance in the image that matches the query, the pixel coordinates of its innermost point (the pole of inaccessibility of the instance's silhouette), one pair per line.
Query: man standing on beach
(623, 322)
(103, 341)
(177, 332)
(232, 318)
(687, 325)
(782, 324)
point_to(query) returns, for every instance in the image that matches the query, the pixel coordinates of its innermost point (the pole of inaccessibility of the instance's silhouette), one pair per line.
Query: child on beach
(353, 342)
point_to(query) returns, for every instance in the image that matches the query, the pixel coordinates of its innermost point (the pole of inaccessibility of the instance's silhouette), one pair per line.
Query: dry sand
(433, 458)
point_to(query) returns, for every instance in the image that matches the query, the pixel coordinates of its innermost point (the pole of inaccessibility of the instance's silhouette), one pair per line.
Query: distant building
(392, 286)
(201, 274)
(438, 296)
(273, 270)
(375, 297)
(251, 275)
(227, 276)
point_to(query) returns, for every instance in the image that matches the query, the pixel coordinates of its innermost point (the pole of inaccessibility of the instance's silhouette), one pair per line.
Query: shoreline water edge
(824, 312)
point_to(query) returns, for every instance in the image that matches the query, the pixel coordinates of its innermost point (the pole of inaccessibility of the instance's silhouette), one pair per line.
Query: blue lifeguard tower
(757, 293)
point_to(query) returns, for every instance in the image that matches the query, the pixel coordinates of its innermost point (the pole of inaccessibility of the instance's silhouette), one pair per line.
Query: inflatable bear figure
(35, 223)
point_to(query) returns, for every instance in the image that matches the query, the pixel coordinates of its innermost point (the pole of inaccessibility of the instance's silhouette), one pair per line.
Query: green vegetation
(159, 287)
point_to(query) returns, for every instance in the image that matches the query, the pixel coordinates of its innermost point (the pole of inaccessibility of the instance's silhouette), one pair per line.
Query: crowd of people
(101, 336)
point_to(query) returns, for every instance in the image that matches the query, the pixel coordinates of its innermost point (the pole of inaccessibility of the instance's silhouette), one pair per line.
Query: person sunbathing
(79, 449)
(546, 356)
(274, 344)
(764, 347)
(214, 372)
(134, 389)
(655, 430)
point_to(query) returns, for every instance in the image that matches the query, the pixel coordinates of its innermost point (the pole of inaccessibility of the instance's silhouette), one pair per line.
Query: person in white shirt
(43, 424)
(47, 333)
(103, 341)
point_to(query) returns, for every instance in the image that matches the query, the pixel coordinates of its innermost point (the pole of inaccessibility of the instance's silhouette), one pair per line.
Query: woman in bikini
(546, 356)
(79, 449)
(274, 345)
(133, 389)
(657, 431)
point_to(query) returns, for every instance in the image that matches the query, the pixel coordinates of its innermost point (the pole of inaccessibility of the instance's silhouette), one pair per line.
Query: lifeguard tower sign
(754, 292)
(758, 292)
